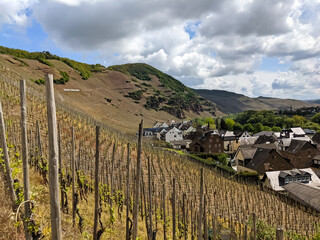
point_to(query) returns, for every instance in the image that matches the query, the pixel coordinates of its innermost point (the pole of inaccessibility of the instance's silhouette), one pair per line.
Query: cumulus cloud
(207, 43)
(15, 12)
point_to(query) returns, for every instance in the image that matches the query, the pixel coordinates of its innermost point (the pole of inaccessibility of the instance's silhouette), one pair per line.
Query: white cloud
(14, 12)
(229, 38)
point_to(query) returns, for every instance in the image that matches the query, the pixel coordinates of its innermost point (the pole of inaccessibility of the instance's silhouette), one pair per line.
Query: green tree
(316, 118)
(289, 122)
(210, 121)
(230, 123)
(266, 128)
(237, 126)
(223, 124)
(276, 129)
(299, 120)
(248, 127)
(258, 127)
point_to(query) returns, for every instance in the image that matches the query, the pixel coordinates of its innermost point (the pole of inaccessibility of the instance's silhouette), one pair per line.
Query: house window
(286, 180)
(217, 140)
(219, 145)
(210, 140)
(174, 136)
(215, 145)
(209, 145)
(240, 162)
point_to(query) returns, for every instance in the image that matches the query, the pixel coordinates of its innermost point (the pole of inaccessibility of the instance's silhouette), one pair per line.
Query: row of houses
(287, 161)
(271, 152)
(259, 153)
(169, 131)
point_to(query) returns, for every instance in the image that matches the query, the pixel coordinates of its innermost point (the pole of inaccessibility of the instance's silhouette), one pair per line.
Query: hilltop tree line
(43, 57)
(257, 121)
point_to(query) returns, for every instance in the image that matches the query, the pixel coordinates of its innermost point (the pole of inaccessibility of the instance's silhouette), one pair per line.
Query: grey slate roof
(266, 133)
(273, 177)
(247, 141)
(259, 158)
(307, 195)
(316, 137)
(248, 152)
(296, 145)
(264, 139)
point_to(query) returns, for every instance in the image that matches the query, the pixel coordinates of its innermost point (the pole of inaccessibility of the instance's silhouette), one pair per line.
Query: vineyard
(178, 198)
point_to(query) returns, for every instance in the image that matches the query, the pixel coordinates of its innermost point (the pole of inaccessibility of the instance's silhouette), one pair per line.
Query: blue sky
(257, 48)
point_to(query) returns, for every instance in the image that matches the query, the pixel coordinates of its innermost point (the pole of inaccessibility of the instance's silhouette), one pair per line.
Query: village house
(231, 139)
(276, 180)
(300, 153)
(187, 128)
(292, 133)
(263, 133)
(228, 140)
(267, 160)
(152, 133)
(244, 142)
(207, 142)
(306, 195)
(309, 132)
(242, 157)
(266, 142)
(316, 139)
(302, 185)
(160, 125)
(173, 134)
(182, 144)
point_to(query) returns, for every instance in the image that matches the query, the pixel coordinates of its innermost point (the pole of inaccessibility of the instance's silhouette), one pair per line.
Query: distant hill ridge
(230, 102)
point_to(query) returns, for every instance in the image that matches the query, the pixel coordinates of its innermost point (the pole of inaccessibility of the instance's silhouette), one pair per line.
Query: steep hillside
(229, 102)
(120, 95)
(162, 92)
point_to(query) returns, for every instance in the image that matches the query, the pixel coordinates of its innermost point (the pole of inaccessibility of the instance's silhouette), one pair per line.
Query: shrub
(64, 78)
(40, 81)
(137, 95)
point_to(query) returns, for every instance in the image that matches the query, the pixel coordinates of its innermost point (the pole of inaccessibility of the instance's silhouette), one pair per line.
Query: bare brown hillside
(104, 95)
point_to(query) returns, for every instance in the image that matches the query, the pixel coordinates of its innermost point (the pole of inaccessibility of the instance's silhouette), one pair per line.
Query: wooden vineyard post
(7, 171)
(112, 170)
(279, 234)
(254, 225)
(205, 225)
(200, 207)
(245, 232)
(174, 210)
(96, 187)
(60, 167)
(73, 177)
(164, 212)
(128, 192)
(137, 186)
(184, 216)
(150, 200)
(24, 142)
(53, 160)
